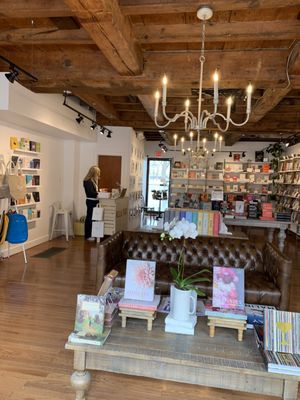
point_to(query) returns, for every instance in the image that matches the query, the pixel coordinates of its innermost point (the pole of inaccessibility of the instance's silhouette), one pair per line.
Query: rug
(52, 251)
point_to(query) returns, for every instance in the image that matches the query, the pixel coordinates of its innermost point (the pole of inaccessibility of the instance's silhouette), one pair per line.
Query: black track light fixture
(13, 75)
(79, 119)
(230, 154)
(108, 134)
(243, 154)
(93, 126)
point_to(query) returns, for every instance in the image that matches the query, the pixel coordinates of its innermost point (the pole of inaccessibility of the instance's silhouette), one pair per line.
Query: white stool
(67, 218)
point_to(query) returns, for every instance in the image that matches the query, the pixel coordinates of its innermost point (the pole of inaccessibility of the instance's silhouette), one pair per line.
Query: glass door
(158, 183)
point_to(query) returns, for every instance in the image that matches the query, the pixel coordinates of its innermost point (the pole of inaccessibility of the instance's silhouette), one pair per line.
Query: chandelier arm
(242, 123)
(219, 126)
(162, 126)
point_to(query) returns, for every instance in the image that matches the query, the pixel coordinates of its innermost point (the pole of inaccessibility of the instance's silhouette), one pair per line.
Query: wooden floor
(37, 306)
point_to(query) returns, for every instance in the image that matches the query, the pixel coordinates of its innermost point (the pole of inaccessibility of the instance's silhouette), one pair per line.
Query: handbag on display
(4, 188)
(17, 184)
(97, 229)
(97, 213)
(17, 229)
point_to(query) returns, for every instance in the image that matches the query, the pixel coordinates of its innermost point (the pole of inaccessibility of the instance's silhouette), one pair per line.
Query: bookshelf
(192, 182)
(288, 190)
(28, 161)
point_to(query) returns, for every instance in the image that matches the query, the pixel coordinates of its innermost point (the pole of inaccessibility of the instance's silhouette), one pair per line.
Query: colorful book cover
(140, 280)
(195, 218)
(200, 222)
(74, 337)
(182, 214)
(255, 313)
(204, 223)
(228, 287)
(211, 311)
(216, 224)
(89, 320)
(211, 223)
(282, 331)
(189, 216)
(14, 142)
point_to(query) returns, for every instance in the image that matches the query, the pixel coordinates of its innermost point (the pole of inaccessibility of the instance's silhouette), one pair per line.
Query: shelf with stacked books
(288, 190)
(26, 157)
(192, 184)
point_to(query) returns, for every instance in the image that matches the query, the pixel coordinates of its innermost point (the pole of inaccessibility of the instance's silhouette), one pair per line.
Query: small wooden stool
(240, 325)
(140, 314)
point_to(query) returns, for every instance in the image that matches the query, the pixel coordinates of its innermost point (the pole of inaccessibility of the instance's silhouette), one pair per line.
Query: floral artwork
(140, 280)
(228, 288)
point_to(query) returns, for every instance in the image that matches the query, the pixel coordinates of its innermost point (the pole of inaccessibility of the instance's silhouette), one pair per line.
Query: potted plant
(183, 286)
(276, 150)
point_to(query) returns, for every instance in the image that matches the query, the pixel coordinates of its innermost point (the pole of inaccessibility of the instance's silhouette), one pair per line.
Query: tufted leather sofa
(267, 272)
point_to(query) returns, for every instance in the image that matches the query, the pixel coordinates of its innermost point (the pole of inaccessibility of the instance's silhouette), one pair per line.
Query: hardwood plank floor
(37, 308)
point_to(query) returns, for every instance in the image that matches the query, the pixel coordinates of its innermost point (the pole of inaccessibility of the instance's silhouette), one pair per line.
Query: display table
(220, 362)
(257, 223)
(115, 214)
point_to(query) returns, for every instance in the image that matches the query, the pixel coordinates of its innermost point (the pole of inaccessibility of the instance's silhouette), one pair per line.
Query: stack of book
(113, 297)
(267, 212)
(255, 314)
(283, 216)
(219, 312)
(279, 341)
(139, 305)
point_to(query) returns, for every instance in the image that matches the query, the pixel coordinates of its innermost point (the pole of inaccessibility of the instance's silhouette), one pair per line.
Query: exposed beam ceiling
(113, 53)
(111, 31)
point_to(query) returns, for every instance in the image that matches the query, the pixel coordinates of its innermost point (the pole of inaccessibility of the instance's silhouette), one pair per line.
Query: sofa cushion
(259, 289)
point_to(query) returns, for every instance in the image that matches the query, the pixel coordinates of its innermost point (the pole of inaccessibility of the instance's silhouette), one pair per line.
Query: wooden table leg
(212, 331)
(290, 390)
(281, 238)
(240, 334)
(270, 234)
(123, 321)
(80, 381)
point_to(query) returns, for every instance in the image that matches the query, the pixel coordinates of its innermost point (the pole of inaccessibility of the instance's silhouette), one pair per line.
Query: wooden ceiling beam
(85, 66)
(144, 7)
(149, 104)
(219, 32)
(35, 36)
(273, 95)
(33, 9)
(231, 138)
(111, 32)
(99, 103)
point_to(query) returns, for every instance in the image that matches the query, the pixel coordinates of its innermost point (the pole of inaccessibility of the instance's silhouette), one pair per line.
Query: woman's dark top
(90, 189)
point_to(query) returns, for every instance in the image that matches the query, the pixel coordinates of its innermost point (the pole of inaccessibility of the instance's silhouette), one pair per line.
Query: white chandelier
(199, 123)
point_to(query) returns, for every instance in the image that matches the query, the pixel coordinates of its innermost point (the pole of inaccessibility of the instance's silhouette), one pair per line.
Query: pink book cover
(216, 225)
(126, 304)
(228, 288)
(140, 280)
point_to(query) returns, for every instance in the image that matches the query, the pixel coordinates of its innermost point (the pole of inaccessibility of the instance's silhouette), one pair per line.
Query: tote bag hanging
(17, 184)
(97, 213)
(17, 229)
(4, 188)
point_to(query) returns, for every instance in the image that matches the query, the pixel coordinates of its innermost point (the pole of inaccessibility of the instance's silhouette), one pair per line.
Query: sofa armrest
(279, 270)
(110, 254)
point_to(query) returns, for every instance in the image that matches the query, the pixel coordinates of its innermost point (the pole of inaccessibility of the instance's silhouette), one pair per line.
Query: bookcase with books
(26, 158)
(192, 182)
(288, 190)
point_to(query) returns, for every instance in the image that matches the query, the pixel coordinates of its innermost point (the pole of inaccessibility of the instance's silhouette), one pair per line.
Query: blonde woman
(90, 184)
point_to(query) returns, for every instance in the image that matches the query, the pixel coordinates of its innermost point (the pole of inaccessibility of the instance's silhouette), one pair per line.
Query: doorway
(110, 167)
(158, 184)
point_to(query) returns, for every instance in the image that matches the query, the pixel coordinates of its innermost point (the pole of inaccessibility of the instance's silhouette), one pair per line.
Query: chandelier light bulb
(220, 142)
(216, 76)
(216, 135)
(249, 89)
(175, 136)
(229, 101)
(157, 95)
(165, 80)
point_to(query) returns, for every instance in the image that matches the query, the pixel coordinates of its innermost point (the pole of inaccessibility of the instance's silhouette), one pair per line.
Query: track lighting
(79, 119)
(243, 154)
(13, 75)
(230, 154)
(15, 71)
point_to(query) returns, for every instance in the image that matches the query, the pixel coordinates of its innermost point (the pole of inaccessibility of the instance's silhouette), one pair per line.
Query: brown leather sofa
(267, 272)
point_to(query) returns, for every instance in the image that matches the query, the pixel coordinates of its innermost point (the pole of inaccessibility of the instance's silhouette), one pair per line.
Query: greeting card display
(139, 280)
(228, 288)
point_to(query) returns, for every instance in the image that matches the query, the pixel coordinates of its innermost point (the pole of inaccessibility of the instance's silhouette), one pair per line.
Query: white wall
(292, 150)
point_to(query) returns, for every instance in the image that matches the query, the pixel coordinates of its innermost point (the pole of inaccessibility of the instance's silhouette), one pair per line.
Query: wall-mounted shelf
(25, 151)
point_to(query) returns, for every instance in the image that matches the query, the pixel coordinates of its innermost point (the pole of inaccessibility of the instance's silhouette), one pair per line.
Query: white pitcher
(182, 303)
